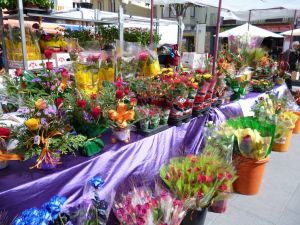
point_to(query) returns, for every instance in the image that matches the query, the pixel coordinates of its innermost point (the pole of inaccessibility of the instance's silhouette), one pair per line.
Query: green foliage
(12, 4)
(82, 35)
(109, 34)
(107, 97)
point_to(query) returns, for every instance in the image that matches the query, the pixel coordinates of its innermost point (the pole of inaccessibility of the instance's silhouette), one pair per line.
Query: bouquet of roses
(254, 139)
(197, 180)
(144, 206)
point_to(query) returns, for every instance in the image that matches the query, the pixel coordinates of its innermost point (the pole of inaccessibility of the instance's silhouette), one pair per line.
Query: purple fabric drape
(21, 188)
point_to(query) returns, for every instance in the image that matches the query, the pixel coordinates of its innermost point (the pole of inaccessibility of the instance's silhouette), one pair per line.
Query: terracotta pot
(250, 173)
(284, 146)
(194, 217)
(297, 124)
(219, 206)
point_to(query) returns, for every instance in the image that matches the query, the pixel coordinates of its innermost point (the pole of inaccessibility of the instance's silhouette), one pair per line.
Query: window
(100, 5)
(112, 5)
(192, 11)
(167, 12)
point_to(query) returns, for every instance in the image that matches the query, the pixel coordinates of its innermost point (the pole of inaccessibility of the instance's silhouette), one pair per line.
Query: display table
(22, 188)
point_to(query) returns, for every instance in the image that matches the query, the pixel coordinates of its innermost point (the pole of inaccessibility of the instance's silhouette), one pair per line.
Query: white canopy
(235, 5)
(253, 31)
(296, 32)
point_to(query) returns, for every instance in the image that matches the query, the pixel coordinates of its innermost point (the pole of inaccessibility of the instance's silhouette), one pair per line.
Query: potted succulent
(252, 148)
(197, 180)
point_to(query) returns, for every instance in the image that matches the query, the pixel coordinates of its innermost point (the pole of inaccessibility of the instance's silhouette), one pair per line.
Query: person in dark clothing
(293, 57)
(1, 58)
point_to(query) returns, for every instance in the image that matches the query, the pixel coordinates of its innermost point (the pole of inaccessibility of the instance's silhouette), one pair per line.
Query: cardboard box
(193, 60)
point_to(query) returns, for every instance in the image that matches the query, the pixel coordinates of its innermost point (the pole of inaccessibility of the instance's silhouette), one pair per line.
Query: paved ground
(278, 202)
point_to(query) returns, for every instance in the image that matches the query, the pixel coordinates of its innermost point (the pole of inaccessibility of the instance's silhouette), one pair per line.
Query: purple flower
(231, 37)
(36, 80)
(50, 110)
(52, 87)
(87, 117)
(23, 110)
(45, 75)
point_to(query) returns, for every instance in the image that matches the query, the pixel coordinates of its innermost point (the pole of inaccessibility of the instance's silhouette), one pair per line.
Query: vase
(297, 124)
(195, 217)
(219, 206)
(283, 145)
(144, 124)
(154, 122)
(121, 134)
(250, 173)
(164, 118)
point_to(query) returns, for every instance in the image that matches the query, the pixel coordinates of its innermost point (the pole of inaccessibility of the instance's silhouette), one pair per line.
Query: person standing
(292, 57)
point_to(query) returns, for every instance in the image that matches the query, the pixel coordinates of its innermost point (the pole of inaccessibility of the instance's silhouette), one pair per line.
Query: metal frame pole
(216, 43)
(249, 18)
(291, 36)
(4, 52)
(151, 23)
(23, 36)
(121, 25)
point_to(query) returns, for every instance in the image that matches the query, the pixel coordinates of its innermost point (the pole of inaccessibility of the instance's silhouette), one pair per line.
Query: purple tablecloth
(21, 188)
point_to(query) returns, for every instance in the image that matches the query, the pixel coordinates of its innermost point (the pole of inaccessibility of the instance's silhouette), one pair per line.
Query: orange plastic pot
(250, 173)
(284, 147)
(297, 124)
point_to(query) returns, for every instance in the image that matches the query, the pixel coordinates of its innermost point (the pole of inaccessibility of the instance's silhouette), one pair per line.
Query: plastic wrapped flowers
(197, 180)
(49, 212)
(142, 206)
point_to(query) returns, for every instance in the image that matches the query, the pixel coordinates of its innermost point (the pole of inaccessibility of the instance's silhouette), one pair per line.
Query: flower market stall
(111, 133)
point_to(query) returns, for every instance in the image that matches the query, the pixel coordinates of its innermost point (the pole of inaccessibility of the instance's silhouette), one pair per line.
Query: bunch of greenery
(43, 4)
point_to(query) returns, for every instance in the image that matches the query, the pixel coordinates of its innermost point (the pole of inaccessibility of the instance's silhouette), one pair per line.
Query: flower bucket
(212, 84)
(3, 164)
(219, 206)
(144, 124)
(250, 173)
(283, 146)
(297, 124)
(122, 134)
(195, 217)
(204, 87)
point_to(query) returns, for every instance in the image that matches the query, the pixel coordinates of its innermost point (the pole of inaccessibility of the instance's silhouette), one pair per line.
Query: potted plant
(252, 148)
(41, 4)
(196, 180)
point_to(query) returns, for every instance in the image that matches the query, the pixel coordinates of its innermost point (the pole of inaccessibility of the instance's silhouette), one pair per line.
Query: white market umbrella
(250, 30)
(295, 32)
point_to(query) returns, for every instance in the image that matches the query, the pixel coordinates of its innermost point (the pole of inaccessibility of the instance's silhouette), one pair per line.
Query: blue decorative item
(97, 182)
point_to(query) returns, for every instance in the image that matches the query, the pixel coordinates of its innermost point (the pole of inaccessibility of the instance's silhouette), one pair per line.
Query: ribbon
(46, 154)
(5, 156)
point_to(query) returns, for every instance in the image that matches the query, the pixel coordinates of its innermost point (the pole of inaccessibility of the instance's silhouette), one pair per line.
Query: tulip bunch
(197, 180)
(143, 207)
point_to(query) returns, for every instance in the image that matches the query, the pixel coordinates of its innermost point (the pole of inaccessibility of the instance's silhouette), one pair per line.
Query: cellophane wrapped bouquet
(253, 139)
(198, 179)
(278, 111)
(144, 206)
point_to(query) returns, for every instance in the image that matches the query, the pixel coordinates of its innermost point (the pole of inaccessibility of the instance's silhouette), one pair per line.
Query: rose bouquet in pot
(144, 205)
(203, 78)
(253, 144)
(197, 180)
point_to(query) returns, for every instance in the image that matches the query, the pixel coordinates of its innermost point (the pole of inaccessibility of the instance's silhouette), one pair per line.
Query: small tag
(37, 140)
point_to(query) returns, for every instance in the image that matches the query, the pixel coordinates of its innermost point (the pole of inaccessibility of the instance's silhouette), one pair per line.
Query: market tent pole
(249, 19)
(151, 23)
(4, 51)
(23, 36)
(291, 36)
(216, 44)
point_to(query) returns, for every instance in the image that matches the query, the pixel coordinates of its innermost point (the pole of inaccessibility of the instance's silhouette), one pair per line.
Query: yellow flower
(40, 104)
(32, 124)
(207, 76)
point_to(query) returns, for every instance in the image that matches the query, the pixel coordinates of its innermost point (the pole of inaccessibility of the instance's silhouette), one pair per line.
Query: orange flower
(121, 108)
(112, 114)
(40, 104)
(129, 115)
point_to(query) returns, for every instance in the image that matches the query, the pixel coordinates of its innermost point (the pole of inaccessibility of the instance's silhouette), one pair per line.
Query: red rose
(220, 176)
(133, 101)
(200, 194)
(64, 73)
(126, 90)
(221, 60)
(81, 103)
(223, 188)
(18, 72)
(93, 96)
(58, 102)
(96, 112)
(49, 65)
(119, 94)
(48, 53)
(4, 132)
